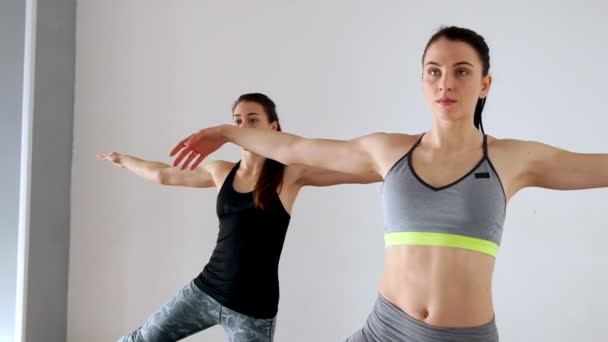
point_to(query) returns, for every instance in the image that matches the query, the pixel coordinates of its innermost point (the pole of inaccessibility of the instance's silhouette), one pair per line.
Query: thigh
(243, 328)
(359, 336)
(189, 312)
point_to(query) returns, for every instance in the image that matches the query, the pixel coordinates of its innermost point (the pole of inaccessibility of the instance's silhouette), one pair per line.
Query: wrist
(121, 159)
(226, 132)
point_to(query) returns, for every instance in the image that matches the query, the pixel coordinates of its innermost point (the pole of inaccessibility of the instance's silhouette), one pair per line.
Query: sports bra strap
(485, 145)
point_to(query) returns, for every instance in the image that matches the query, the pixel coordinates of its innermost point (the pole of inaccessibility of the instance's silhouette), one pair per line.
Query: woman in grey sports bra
(444, 194)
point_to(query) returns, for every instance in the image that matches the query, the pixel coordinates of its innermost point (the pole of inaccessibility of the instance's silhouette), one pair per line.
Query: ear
(486, 83)
(275, 126)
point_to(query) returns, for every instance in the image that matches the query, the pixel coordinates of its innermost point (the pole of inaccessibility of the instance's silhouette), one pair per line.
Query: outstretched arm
(312, 176)
(356, 156)
(554, 168)
(161, 173)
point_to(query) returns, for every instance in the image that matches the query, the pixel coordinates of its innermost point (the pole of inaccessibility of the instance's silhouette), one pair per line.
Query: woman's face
(452, 80)
(251, 115)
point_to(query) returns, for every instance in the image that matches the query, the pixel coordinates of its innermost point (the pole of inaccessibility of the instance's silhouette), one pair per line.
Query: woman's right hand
(113, 157)
(197, 147)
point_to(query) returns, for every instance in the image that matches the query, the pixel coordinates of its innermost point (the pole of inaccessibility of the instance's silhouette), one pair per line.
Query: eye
(253, 120)
(238, 122)
(463, 72)
(433, 72)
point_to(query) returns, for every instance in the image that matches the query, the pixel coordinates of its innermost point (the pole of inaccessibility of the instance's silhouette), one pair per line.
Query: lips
(446, 101)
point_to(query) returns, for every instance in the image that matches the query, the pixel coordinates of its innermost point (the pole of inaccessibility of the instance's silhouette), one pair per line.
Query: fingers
(197, 161)
(182, 154)
(104, 156)
(191, 156)
(179, 146)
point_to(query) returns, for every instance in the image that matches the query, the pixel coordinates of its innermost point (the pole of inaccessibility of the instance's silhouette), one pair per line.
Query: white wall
(49, 154)
(149, 72)
(12, 26)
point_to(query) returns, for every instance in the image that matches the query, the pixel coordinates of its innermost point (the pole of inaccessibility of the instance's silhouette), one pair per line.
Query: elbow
(160, 177)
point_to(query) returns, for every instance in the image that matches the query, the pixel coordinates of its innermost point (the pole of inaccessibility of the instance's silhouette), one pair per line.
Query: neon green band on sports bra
(441, 239)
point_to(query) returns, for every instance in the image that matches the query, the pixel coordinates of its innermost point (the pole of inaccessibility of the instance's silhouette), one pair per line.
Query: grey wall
(12, 26)
(50, 175)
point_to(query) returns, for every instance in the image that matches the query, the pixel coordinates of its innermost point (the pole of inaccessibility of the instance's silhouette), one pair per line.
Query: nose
(446, 83)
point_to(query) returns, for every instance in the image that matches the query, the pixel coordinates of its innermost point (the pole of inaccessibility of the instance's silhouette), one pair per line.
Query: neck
(251, 163)
(454, 135)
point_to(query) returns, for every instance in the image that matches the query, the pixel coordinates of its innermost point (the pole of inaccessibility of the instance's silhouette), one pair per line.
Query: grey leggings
(191, 311)
(387, 323)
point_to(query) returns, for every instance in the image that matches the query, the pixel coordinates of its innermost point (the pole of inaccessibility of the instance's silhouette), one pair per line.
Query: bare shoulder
(384, 140)
(502, 145)
(222, 164)
(514, 148)
(513, 160)
(390, 147)
(494, 141)
(219, 170)
(385, 146)
(219, 166)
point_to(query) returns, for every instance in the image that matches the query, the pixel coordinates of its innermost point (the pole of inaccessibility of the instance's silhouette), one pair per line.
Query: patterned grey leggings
(191, 311)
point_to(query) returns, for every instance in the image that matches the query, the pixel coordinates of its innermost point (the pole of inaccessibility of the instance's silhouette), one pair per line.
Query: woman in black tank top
(239, 286)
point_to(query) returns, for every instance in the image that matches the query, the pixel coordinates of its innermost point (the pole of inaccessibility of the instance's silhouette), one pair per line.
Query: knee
(133, 337)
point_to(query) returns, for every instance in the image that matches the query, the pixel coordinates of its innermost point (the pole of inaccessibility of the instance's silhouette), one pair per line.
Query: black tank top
(242, 273)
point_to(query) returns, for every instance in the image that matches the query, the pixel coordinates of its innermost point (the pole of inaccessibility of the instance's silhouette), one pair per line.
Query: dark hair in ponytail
(271, 176)
(478, 43)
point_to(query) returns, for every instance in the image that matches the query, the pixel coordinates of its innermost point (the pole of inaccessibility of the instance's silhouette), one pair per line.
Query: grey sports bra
(468, 213)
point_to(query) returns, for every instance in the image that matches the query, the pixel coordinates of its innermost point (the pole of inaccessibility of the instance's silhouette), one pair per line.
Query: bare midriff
(441, 286)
